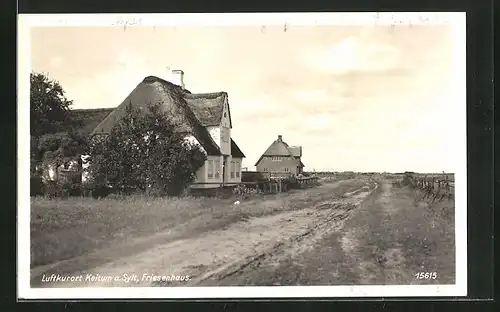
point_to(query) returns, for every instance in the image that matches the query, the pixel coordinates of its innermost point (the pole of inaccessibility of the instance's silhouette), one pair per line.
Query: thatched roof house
(205, 118)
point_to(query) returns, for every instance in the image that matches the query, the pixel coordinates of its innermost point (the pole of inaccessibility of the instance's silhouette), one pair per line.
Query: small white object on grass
(237, 202)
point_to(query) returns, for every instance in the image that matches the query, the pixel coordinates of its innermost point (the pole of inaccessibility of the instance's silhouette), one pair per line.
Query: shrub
(242, 191)
(145, 153)
(95, 190)
(51, 189)
(408, 180)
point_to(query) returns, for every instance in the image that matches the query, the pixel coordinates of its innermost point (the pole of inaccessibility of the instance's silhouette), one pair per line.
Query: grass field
(66, 228)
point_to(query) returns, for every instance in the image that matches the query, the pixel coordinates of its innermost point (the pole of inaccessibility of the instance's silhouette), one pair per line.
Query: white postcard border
(27, 21)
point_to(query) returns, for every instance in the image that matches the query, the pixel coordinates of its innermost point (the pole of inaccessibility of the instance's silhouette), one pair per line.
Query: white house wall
(216, 169)
(235, 180)
(215, 134)
(202, 180)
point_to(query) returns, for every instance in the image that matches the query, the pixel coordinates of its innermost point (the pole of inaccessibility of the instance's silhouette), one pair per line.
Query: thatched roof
(87, 119)
(208, 107)
(171, 99)
(151, 90)
(281, 148)
(191, 113)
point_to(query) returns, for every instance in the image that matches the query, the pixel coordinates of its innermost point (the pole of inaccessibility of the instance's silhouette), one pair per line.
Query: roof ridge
(153, 79)
(277, 142)
(91, 109)
(205, 95)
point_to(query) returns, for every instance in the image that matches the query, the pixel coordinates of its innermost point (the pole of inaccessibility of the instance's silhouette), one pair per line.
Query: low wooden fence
(307, 181)
(433, 187)
(278, 185)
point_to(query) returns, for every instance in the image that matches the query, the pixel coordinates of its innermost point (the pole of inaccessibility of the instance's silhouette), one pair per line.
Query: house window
(210, 169)
(286, 169)
(265, 169)
(233, 169)
(238, 169)
(217, 169)
(276, 158)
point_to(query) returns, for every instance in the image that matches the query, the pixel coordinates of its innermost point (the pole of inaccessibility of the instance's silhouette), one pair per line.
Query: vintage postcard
(290, 155)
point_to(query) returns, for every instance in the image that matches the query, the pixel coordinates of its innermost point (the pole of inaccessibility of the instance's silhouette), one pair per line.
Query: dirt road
(387, 240)
(321, 244)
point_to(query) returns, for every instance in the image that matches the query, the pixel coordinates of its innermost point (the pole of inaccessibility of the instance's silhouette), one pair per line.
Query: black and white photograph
(235, 155)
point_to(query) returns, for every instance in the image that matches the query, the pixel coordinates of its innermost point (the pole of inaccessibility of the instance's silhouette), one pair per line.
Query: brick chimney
(177, 77)
(280, 138)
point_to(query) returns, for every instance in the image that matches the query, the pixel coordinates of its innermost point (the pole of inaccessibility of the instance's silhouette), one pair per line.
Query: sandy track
(210, 257)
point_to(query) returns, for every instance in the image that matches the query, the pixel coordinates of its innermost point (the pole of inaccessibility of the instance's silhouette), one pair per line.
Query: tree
(143, 151)
(49, 107)
(51, 127)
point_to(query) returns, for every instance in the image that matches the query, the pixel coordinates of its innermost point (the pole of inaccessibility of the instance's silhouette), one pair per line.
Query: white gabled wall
(221, 134)
(225, 132)
(215, 134)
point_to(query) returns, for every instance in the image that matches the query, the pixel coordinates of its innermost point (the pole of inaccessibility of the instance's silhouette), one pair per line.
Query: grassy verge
(402, 236)
(66, 228)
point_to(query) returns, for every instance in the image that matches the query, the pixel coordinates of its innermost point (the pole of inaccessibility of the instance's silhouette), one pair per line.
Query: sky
(356, 98)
